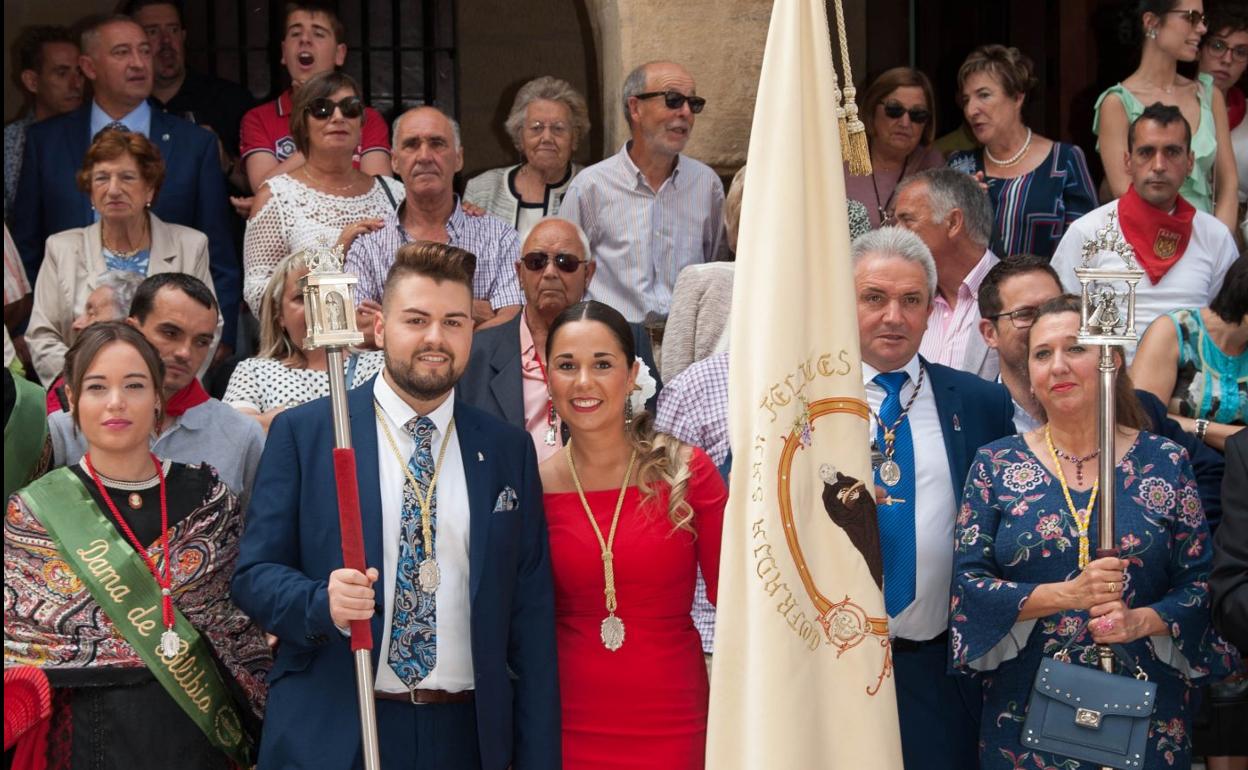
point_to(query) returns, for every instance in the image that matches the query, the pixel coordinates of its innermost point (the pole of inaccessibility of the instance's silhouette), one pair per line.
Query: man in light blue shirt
(648, 210)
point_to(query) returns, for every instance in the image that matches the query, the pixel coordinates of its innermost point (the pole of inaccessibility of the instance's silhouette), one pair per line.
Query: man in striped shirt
(648, 210)
(951, 213)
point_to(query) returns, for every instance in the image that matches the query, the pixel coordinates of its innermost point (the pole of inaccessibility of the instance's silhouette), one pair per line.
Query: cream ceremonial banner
(802, 674)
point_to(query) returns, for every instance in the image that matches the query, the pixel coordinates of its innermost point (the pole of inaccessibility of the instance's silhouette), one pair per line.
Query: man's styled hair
(1163, 115)
(145, 297)
(990, 289)
(896, 242)
(437, 261)
(315, 8)
(947, 190)
(134, 6)
(89, 29)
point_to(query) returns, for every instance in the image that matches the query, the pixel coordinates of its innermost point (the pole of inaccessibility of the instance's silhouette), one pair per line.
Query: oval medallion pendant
(890, 473)
(612, 632)
(429, 576)
(135, 500)
(169, 644)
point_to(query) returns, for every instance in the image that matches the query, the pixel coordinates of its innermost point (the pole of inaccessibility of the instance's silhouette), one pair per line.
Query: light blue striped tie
(897, 519)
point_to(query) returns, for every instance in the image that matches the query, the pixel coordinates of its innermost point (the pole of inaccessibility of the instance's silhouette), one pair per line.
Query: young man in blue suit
(464, 654)
(927, 422)
(117, 59)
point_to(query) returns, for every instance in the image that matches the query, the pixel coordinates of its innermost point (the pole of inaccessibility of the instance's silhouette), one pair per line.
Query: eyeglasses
(675, 100)
(894, 110)
(1022, 318)
(537, 128)
(537, 260)
(323, 108)
(1193, 16)
(1218, 47)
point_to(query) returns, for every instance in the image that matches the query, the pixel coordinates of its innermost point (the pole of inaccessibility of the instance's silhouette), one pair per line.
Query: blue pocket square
(507, 500)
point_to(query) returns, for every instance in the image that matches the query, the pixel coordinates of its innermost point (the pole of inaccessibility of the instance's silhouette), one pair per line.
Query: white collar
(400, 412)
(869, 372)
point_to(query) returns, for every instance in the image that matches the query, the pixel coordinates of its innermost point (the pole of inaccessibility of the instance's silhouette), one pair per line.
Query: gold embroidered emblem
(1166, 243)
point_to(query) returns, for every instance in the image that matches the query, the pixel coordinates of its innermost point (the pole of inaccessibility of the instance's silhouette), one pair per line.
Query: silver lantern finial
(1104, 320)
(328, 300)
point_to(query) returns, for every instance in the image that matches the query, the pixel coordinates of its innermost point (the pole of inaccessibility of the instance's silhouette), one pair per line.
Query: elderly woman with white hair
(547, 121)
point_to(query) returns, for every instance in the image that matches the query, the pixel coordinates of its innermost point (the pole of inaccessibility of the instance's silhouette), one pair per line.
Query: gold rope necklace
(612, 629)
(1082, 517)
(428, 574)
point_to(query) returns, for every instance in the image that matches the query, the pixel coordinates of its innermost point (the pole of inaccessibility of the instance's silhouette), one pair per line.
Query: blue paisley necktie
(413, 625)
(897, 520)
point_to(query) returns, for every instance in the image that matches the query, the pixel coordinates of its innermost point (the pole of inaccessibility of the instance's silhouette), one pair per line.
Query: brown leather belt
(426, 696)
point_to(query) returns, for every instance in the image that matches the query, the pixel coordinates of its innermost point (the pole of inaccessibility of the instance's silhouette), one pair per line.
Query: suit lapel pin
(956, 425)
(480, 457)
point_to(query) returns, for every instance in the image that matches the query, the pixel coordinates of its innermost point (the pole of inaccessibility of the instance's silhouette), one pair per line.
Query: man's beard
(423, 387)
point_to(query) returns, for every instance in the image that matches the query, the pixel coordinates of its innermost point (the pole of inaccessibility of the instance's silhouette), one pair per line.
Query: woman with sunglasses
(324, 202)
(897, 111)
(1224, 57)
(1031, 180)
(1171, 31)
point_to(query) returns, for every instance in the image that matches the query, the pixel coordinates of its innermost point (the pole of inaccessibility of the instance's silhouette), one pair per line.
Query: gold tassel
(840, 117)
(854, 133)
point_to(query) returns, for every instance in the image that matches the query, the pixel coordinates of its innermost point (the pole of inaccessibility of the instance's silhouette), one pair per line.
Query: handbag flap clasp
(1088, 718)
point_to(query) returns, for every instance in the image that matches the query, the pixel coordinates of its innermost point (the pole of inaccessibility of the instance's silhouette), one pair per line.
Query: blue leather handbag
(1089, 714)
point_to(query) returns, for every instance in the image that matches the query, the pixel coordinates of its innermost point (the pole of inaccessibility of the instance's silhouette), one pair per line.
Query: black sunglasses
(894, 110)
(537, 260)
(1194, 17)
(674, 100)
(323, 108)
(1022, 318)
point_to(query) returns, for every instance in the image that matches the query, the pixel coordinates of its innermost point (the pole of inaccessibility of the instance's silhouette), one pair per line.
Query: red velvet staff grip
(1101, 553)
(352, 535)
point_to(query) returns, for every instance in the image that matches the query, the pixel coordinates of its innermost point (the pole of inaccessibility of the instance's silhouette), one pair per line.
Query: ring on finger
(1113, 587)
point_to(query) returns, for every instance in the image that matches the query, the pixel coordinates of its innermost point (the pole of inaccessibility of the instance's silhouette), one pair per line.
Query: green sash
(24, 434)
(123, 586)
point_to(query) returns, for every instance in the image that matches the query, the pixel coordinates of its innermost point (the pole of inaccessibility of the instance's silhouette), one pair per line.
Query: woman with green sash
(116, 584)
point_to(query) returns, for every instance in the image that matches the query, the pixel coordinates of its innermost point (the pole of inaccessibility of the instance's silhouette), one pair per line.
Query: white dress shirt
(453, 671)
(935, 508)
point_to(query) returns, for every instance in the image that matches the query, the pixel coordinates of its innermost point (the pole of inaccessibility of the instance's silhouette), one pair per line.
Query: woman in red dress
(632, 514)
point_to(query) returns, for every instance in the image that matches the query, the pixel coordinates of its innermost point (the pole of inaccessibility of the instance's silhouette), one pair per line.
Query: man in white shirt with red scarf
(1184, 252)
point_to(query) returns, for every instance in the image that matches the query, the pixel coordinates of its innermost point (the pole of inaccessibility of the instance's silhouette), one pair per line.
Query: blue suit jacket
(493, 381)
(973, 412)
(292, 542)
(193, 194)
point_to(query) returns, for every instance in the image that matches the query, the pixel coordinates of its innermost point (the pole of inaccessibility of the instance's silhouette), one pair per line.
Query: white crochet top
(297, 217)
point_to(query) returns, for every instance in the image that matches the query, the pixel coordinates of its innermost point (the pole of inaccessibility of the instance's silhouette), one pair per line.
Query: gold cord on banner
(853, 131)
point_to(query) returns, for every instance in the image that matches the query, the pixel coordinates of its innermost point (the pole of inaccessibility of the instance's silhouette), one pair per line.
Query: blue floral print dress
(1014, 532)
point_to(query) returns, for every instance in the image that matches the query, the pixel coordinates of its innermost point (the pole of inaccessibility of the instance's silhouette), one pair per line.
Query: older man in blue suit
(927, 422)
(117, 59)
(465, 653)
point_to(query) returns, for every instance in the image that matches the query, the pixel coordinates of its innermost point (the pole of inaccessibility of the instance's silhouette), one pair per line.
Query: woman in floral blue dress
(1026, 584)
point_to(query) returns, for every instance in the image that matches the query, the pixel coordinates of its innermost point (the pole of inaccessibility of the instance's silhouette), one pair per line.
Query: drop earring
(1151, 34)
(628, 411)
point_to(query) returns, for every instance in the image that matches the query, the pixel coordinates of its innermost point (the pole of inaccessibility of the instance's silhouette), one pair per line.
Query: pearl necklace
(1014, 159)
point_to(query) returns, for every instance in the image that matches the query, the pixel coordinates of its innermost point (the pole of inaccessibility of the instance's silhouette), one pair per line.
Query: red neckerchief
(188, 398)
(1236, 106)
(1159, 239)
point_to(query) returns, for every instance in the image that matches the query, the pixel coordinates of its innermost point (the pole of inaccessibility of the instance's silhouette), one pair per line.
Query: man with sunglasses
(649, 210)
(313, 43)
(1008, 299)
(506, 375)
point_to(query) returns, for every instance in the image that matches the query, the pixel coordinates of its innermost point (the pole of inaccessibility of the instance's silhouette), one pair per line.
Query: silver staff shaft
(363, 658)
(1108, 425)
